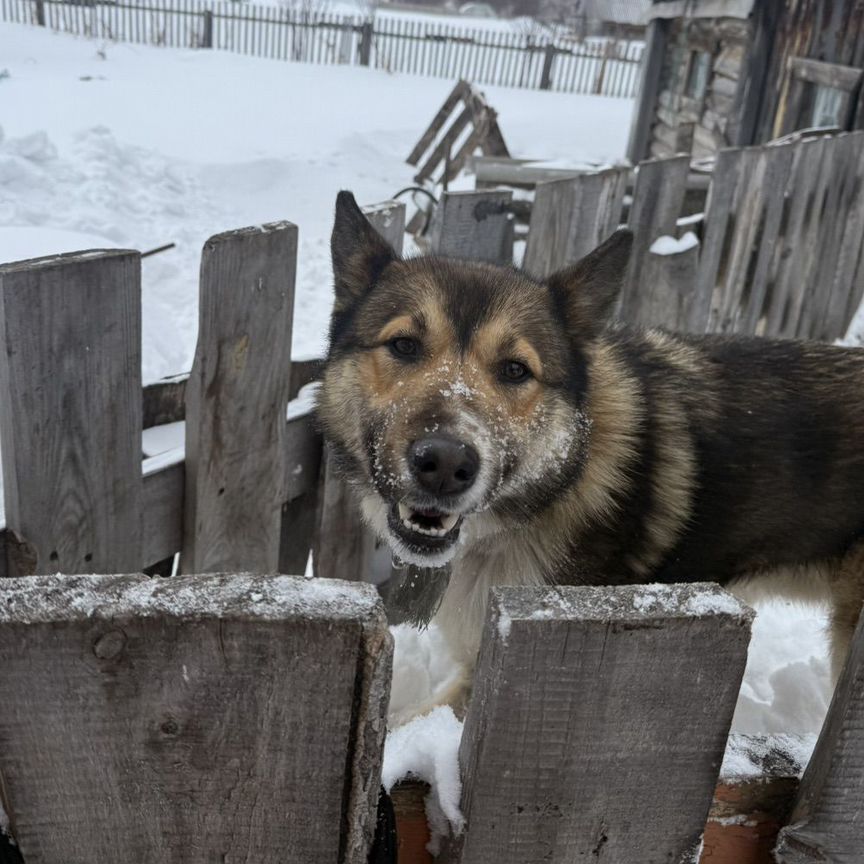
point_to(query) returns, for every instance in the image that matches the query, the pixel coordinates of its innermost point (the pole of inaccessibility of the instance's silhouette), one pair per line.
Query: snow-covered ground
(150, 145)
(122, 145)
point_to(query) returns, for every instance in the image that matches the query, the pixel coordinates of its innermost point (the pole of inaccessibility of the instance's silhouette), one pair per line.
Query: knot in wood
(170, 727)
(110, 645)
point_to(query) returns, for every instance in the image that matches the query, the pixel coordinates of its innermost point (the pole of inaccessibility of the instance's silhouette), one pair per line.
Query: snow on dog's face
(455, 390)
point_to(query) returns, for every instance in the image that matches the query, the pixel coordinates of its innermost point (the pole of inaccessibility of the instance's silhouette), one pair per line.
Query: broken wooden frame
(435, 147)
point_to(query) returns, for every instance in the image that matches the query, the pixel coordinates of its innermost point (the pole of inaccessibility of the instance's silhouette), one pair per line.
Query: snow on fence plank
(236, 401)
(572, 216)
(827, 822)
(70, 386)
(475, 225)
(598, 722)
(196, 719)
(353, 556)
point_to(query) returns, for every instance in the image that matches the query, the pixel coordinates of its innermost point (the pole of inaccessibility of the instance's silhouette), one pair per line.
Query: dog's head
(454, 394)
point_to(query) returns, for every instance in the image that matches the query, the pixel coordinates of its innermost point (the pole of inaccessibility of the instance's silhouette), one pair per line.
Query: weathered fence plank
(236, 401)
(827, 822)
(667, 287)
(196, 719)
(473, 225)
(570, 217)
(598, 723)
(344, 547)
(70, 387)
(658, 196)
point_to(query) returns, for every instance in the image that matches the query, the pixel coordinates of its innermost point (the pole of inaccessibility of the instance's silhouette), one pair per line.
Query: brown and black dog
(501, 425)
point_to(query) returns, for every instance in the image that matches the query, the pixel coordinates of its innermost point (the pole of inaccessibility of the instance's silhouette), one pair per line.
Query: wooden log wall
(703, 124)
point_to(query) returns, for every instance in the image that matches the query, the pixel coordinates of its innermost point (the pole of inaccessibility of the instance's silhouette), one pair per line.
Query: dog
(504, 427)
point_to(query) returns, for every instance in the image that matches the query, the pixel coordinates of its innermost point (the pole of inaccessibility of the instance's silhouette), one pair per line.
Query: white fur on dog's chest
(502, 559)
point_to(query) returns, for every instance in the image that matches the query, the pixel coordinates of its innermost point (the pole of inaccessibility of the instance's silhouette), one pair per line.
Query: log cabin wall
(702, 68)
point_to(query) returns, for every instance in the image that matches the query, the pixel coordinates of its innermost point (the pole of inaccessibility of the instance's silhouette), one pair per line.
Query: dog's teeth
(447, 522)
(404, 512)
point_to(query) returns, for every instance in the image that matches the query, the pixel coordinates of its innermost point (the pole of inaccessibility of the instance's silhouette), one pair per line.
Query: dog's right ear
(359, 252)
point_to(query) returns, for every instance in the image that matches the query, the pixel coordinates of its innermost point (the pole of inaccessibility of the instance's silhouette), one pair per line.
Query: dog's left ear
(359, 252)
(588, 289)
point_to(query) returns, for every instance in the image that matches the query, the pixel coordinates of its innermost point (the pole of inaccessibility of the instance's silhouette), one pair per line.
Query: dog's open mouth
(424, 529)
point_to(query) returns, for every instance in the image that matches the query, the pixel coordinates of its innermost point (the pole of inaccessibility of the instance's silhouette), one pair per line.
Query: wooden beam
(583, 698)
(656, 40)
(667, 288)
(826, 823)
(70, 387)
(236, 401)
(196, 719)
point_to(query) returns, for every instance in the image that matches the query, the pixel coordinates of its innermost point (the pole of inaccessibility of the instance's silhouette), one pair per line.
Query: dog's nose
(443, 465)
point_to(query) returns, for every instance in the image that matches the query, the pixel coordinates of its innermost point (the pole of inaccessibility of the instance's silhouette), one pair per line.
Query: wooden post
(207, 29)
(196, 719)
(656, 38)
(572, 216)
(473, 225)
(367, 33)
(344, 547)
(236, 401)
(667, 288)
(40, 12)
(598, 723)
(826, 822)
(658, 196)
(548, 61)
(70, 425)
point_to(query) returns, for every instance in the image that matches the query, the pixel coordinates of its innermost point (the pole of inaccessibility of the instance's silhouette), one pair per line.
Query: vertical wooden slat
(236, 401)
(667, 289)
(473, 225)
(196, 719)
(570, 217)
(70, 387)
(658, 196)
(827, 822)
(344, 547)
(598, 723)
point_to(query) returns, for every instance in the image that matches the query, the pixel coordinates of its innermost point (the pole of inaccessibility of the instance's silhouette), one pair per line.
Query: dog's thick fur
(624, 456)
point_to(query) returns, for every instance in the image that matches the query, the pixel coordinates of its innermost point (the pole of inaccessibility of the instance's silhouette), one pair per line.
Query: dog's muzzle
(427, 521)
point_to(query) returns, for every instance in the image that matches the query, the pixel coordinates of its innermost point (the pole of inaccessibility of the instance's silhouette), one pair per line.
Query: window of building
(819, 95)
(698, 73)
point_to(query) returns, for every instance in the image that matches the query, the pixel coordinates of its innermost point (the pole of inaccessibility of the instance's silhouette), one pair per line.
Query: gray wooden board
(658, 197)
(721, 195)
(70, 387)
(598, 723)
(473, 225)
(197, 719)
(667, 290)
(827, 822)
(570, 217)
(236, 401)
(461, 90)
(343, 546)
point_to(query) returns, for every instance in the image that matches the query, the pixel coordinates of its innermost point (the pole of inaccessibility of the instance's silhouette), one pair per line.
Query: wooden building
(725, 73)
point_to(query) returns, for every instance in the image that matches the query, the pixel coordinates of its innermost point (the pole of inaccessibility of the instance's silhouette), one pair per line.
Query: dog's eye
(515, 372)
(404, 347)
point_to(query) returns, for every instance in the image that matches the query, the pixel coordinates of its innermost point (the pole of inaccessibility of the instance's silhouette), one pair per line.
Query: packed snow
(674, 246)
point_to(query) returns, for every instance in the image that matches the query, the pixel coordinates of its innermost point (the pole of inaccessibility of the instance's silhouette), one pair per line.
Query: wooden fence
(214, 717)
(776, 252)
(600, 66)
